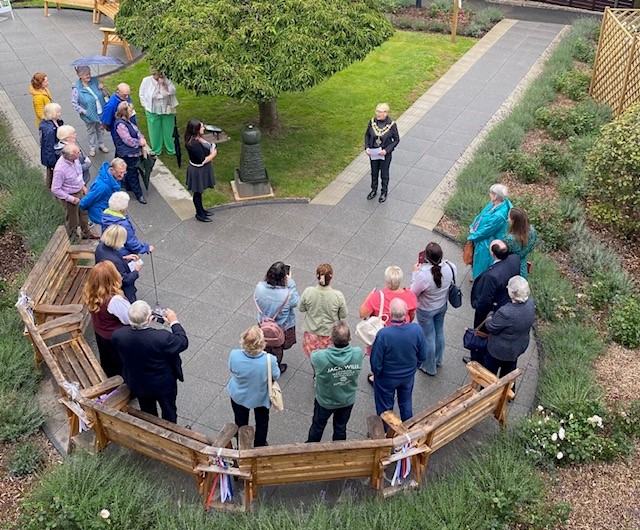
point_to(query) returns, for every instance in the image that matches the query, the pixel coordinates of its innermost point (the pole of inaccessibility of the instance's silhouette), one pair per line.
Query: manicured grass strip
(323, 128)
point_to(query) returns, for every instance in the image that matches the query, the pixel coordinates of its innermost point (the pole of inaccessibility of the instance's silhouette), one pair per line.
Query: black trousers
(321, 416)
(241, 415)
(197, 202)
(132, 177)
(167, 406)
(496, 365)
(381, 168)
(109, 357)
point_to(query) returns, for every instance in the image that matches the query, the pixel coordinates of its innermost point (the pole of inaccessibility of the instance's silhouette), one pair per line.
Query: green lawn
(323, 128)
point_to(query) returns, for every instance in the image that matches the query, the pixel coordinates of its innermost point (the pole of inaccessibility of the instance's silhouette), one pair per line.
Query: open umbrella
(97, 60)
(176, 142)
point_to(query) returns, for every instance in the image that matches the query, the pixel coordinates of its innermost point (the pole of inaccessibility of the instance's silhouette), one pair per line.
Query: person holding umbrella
(88, 98)
(158, 97)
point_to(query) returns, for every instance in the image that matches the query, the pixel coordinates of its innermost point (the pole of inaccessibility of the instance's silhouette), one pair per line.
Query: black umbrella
(145, 166)
(176, 142)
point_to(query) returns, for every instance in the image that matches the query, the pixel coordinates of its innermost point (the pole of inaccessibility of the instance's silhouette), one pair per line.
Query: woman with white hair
(393, 277)
(509, 328)
(117, 214)
(380, 140)
(66, 135)
(51, 120)
(490, 224)
(88, 97)
(111, 241)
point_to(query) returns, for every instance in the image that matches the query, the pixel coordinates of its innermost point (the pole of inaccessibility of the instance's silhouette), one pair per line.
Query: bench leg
(127, 50)
(46, 9)
(105, 43)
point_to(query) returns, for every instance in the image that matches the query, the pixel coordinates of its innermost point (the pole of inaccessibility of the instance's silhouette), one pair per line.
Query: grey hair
(500, 191)
(119, 201)
(398, 309)
(64, 131)
(340, 334)
(139, 314)
(81, 70)
(50, 110)
(69, 150)
(518, 289)
(393, 277)
(117, 162)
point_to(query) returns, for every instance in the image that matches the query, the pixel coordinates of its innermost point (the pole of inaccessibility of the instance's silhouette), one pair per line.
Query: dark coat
(489, 291)
(97, 200)
(105, 253)
(48, 141)
(151, 359)
(389, 140)
(509, 329)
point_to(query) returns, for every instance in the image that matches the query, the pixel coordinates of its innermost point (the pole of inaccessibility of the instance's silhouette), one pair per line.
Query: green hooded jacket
(337, 371)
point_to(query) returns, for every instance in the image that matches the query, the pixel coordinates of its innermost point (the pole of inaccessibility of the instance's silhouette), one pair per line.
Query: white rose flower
(561, 433)
(559, 455)
(105, 514)
(540, 408)
(570, 416)
(554, 437)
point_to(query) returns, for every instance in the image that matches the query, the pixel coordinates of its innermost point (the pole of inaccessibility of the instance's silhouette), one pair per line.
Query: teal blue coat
(490, 224)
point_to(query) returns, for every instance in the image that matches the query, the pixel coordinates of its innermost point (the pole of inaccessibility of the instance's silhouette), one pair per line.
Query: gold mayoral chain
(380, 132)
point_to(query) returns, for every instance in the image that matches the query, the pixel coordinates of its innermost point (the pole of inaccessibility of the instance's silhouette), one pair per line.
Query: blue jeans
(432, 323)
(384, 392)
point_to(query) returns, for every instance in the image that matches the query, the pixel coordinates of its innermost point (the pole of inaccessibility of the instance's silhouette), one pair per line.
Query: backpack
(273, 333)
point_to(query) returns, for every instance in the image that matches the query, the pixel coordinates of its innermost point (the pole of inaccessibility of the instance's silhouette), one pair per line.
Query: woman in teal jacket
(490, 224)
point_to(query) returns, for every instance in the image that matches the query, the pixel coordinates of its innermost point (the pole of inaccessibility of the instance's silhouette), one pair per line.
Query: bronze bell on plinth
(251, 178)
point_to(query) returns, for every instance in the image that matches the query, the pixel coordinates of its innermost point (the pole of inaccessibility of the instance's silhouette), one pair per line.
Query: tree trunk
(269, 115)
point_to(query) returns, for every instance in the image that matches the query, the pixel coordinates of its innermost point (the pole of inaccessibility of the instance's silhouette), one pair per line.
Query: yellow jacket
(40, 98)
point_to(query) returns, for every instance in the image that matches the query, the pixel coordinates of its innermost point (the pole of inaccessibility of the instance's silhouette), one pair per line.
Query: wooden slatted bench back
(77, 362)
(89, 4)
(106, 8)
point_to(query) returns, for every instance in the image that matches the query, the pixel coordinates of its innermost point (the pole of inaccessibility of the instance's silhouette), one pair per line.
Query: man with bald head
(489, 291)
(122, 93)
(68, 185)
(397, 352)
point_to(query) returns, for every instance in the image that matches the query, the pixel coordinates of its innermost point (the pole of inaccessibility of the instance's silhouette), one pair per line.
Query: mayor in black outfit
(151, 359)
(489, 291)
(382, 133)
(200, 170)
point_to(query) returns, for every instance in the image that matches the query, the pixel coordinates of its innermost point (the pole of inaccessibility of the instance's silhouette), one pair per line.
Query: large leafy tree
(253, 50)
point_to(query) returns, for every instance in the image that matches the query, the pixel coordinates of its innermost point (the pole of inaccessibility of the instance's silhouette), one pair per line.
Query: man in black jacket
(489, 291)
(151, 359)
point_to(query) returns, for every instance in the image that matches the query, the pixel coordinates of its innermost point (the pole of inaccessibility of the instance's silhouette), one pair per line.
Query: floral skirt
(311, 342)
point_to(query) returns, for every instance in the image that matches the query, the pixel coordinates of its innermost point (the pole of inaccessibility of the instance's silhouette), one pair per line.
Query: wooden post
(454, 23)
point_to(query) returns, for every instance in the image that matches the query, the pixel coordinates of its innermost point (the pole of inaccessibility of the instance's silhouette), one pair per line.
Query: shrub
(581, 146)
(440, 6)
(608, 286)
(583, 49)
(19, 415)
(585, 117)
(570, 209)
(574, 184)
(526, 168)
(627, 420)
(614, 169)
(554, 159)
(574, 84)
(554, 296)
(391, 6)
(624, 322)
(589, 254)
(544, 215)
(25, 459)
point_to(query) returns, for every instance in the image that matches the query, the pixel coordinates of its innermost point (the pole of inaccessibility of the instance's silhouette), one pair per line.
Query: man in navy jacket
(396, 354)
(489, 291)
(151, 359)
(108, 116)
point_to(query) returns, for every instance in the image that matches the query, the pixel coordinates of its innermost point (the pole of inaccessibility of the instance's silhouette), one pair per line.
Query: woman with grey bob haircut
(112, 240)
(88, 98)
(509, 328)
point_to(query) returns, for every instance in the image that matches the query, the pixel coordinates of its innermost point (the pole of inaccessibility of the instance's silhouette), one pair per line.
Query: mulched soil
(14, 255)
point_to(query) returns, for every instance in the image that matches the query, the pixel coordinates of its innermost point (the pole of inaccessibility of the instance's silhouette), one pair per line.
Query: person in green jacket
(337, 369)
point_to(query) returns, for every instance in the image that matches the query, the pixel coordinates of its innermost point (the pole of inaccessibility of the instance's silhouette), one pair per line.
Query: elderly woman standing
(158, 97)
(275, 297)
(111, 241)
(430, 283)
(48, 138)
(324, 306)
(117, 214)
(520, 238)
(380, 140)
(509, 328)
(103, 187)
(66, 135)
(490, 224)
(129, 142)
(248, 386)
(39, 90)
(109, 312)
(200, 169)
(88, 97)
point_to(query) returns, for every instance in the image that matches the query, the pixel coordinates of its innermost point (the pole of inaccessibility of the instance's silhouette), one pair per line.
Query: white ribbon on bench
(403, 467)
(25, 301)
(226, 486)
(73, 391)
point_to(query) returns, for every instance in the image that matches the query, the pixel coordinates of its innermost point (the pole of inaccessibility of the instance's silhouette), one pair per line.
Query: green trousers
(161, 132)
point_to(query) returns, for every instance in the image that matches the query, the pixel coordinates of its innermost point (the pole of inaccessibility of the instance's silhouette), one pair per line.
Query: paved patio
(207, 272)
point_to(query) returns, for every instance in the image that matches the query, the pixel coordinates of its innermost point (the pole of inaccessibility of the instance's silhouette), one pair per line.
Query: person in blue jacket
(111, 241)
(116, 214)
(108, 117)
(106, 184)
(48, 139)
(490, 223)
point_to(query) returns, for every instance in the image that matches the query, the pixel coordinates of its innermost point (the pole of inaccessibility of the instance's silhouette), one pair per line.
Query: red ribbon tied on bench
(226, 485)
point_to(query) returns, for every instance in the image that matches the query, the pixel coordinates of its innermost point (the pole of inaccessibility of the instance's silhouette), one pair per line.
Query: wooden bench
(89, 4)
(176, 446)
(457, 413)
(107, 8)
(110, 38)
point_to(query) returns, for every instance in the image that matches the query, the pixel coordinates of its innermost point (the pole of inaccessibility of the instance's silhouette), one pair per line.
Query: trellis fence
(616, 72)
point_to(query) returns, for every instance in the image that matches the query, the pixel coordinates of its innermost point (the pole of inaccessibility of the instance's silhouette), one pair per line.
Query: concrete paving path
(207, 272)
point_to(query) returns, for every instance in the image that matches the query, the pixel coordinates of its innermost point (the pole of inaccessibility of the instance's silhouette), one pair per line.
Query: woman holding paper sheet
(380, 140)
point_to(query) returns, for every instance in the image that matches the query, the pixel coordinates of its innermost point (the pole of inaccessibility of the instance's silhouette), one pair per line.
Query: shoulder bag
(367, 329)
(467, 253)
(474, 339)
(275, 392)
(273, 333)
(455, 294)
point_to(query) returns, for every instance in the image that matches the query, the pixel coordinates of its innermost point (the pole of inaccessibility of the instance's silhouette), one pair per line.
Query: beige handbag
(275, 392)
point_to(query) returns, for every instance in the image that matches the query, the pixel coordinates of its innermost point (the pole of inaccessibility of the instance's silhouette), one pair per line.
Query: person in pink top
(393, 289)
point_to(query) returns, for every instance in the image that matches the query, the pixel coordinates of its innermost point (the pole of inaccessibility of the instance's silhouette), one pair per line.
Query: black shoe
(372, 194)
(383, 197)
(283, 368)
(142, 200)
(209, 211)
(467, 359)
(203, 219)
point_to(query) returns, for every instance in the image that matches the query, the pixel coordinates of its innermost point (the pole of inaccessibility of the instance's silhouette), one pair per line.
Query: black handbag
(455, 293)
(474, 339)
